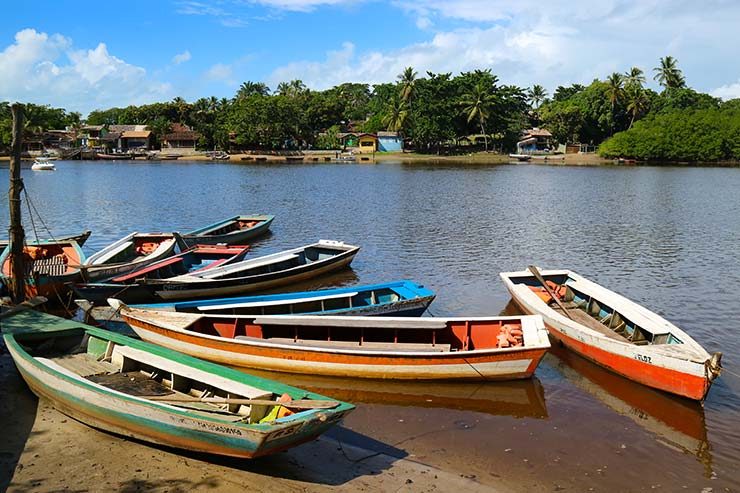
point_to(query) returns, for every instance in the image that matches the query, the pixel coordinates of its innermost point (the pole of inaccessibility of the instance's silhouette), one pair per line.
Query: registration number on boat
(644, 359)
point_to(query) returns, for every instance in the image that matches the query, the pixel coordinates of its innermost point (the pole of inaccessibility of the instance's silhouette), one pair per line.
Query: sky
(94, 55)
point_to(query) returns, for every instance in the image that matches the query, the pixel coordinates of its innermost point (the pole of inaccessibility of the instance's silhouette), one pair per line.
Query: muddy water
(665, 237)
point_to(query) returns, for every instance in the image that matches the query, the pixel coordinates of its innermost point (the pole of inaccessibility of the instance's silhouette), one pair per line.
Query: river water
(665, 237)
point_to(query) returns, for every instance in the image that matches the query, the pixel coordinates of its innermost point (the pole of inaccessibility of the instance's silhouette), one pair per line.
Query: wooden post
(15, 232)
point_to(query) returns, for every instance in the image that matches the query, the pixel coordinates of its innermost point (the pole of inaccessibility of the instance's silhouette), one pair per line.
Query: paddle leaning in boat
(196, 259)
(258, 273)
(485, 348)
(615, 332)
(135, 389)
(232, 231)
(129, 253)
(49, 264)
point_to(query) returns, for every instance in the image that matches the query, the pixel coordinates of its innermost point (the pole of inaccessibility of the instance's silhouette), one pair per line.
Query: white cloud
(44, 69)
(181, 57)
(219, 71)
(728, 91)
(524, 43)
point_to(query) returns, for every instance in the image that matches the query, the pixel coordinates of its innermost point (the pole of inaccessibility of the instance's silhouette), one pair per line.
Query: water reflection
(518, 399)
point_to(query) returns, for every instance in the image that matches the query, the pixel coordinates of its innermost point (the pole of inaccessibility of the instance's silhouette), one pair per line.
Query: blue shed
(389, 142)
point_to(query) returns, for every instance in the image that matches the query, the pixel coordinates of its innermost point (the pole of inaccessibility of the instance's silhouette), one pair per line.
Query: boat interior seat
(107, 256)
(161, 248)
(121, 354)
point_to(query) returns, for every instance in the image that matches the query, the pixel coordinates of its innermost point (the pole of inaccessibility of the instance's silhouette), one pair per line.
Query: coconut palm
(614, 92)
(396, 114)
(477, 105)
(668, 74)
(250, 88)
(637, 102)
(536, 96)
(635, 77)
(407, 79)
(293, 88)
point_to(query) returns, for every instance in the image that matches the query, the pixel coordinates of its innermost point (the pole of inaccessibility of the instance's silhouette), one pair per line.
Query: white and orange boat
(615, 332)
(426, 348)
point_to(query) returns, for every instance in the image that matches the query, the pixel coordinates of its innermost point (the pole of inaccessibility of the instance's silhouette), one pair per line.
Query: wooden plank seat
(226, 306)
(84, 364)
(149, 268)
(583, 318)
(395, 323)
(365, 346)
(52, 266)
(249, 264)
(121, 353)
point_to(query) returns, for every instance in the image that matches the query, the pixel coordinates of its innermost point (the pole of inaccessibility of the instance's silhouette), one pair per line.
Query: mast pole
(15, 232)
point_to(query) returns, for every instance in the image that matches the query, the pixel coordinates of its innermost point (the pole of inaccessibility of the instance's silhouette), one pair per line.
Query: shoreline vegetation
(439, 117)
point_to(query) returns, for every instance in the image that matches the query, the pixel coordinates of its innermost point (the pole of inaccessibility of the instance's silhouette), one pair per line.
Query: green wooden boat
(136, 389)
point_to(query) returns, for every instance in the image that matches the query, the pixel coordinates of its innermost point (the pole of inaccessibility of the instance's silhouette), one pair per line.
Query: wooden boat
(258, 273)
(356, 347)
(232, 231)
(616, 333)
(521, 157)
(129, 253)
(196, 259)
(49, 266)
(399, 299)
(131, 388)
(112, 157)
(80, 239)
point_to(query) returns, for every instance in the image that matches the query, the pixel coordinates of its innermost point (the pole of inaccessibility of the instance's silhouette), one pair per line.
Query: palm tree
(250, 88)
(182, 107)
(396, 114)
(407, 79)
(536, 96)
(637, 102)
(635, 77)
(668, 74)
(614, 91)
(476, 105)
(293, 88)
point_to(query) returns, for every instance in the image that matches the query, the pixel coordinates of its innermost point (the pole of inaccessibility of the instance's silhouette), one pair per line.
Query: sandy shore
(45, 451)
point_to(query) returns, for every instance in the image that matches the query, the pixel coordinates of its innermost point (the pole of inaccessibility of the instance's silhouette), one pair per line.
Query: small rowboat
(232, 231)
(129, 253)
(487, 348)
(521, 157)
(80, 239)
(113, 157)
(49, 266)
(125, 386)
(196, 259)
(616, 333)
(258, 273)
(398, 299)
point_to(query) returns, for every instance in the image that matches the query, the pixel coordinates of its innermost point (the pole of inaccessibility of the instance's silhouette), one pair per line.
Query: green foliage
(681, 135)
(329, 139)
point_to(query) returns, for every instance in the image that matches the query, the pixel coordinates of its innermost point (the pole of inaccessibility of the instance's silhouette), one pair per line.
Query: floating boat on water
(521, 157)
(399, 299)
(80, 239)
(135, 389)
(43, 164)
(49, 266)
(232, 231)
(482, 348)
(129, 253)
(127, 287)
(113, 157)
(258, 273)
(615, 332)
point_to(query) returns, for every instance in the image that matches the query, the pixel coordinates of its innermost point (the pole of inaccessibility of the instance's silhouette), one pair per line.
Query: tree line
(433, 111)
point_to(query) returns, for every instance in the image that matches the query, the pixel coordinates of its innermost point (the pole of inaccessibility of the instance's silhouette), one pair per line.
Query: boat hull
(235, 238)
(133, 418)
(169, 291)
(468, 365)
(626, 360)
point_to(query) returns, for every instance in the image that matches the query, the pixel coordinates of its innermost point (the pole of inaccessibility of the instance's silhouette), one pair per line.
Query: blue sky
(87, 55)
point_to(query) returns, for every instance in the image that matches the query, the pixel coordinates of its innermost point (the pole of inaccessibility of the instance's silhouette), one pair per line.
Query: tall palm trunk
(483, 131)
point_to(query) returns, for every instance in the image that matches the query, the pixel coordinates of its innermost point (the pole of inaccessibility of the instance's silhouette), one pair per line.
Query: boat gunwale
(261, 218)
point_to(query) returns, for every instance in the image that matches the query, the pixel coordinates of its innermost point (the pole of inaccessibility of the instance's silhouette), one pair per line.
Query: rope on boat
(31, 205)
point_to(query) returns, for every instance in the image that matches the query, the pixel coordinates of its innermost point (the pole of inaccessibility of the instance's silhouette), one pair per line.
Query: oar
(26, 305)
(536, 273)
(297, 404)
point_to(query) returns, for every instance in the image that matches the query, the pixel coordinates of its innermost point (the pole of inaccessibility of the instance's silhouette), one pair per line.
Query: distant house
(90, 135)
(389, 142)
(58, 139)
(534, 140)
(359, 142)
(110, 141)
(181, 139)
(136, 139)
